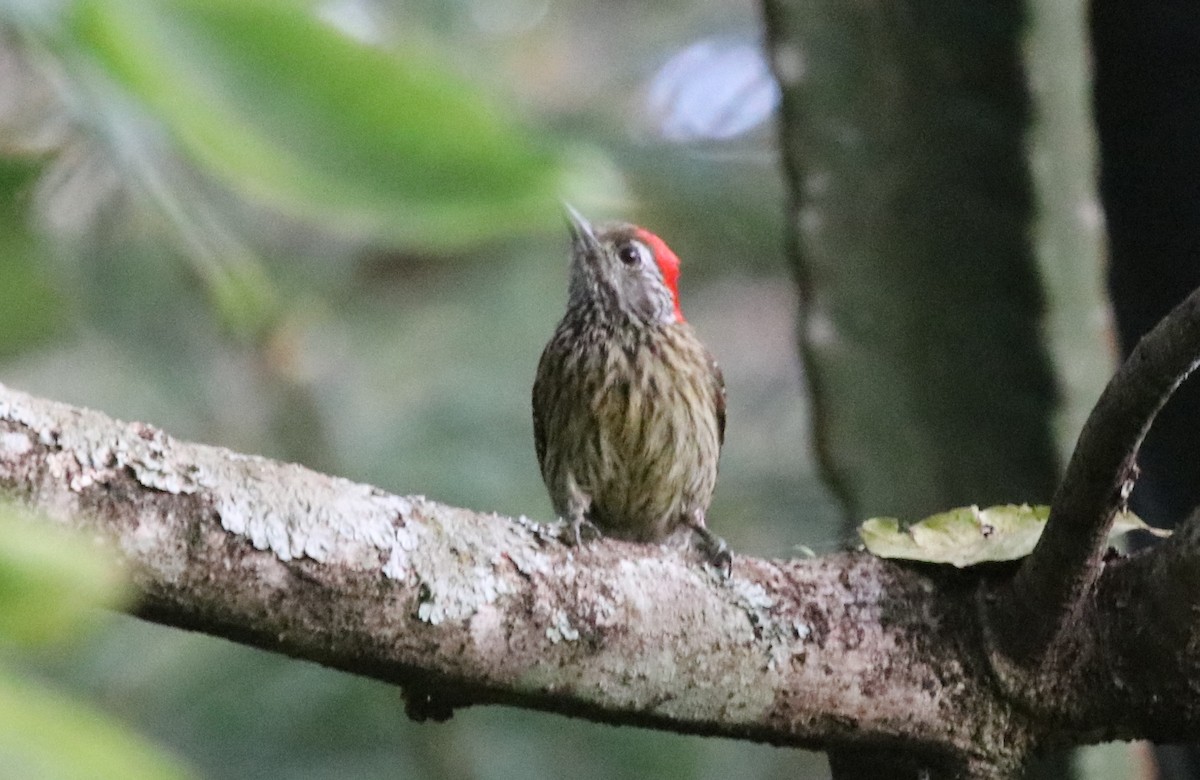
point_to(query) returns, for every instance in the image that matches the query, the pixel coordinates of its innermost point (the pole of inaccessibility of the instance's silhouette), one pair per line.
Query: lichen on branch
(481, 608)
(840, 653)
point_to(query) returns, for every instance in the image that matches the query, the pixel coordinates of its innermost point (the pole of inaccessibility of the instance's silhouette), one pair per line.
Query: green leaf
(51, 581)
(47, 736)
(969, 535)
(293, 113)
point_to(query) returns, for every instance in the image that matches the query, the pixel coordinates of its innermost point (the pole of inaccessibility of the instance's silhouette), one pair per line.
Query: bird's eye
(631, 253)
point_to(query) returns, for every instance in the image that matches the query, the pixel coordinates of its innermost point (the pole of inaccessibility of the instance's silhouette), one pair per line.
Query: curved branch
(1039, 608)
(465, 608)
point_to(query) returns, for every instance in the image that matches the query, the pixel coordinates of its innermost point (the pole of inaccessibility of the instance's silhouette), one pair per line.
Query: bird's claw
(580, 529)
(721, 559)
(715, 551)
(717, 555)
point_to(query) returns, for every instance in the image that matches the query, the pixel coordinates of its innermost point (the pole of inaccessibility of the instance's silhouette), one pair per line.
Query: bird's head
(623, 268)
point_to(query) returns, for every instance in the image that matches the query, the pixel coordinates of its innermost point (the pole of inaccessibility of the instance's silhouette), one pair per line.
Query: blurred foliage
(271, 99)
(50, 581)
(52, 584)
(329, 232)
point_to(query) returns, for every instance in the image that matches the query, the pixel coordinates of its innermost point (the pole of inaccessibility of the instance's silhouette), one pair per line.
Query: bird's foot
(580, 529)
(715, 551)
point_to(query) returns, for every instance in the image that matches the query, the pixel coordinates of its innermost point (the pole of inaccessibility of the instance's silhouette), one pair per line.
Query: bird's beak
(582, 234)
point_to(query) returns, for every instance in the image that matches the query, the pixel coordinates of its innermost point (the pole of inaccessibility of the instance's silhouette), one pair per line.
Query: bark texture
(848, 653)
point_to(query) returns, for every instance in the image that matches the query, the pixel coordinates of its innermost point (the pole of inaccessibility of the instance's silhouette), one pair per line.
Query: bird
(628, 403)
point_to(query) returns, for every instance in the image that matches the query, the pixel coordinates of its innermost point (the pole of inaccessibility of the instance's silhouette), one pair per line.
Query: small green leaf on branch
(969, 535)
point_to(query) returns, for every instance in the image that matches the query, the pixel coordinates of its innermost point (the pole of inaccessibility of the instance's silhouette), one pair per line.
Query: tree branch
(870, 659)
(470, 608)
(1035, 619)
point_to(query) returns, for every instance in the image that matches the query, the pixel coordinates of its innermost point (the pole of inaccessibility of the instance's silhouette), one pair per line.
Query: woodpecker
(628, 404)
